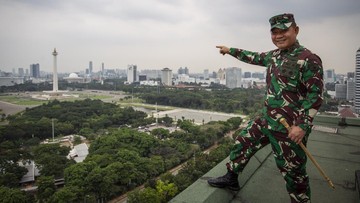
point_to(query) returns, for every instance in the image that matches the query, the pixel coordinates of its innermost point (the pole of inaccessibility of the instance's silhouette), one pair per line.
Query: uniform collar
(292, 48)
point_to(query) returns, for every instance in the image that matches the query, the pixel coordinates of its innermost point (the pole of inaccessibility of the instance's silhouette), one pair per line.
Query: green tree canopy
(46, 188)
(51, 159)
(12, 195)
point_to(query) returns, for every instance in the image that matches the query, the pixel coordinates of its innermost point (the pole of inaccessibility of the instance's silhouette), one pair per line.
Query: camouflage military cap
(282, 21)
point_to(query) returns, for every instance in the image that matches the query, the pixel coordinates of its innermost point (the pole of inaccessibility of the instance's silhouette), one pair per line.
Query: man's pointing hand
(223, 50)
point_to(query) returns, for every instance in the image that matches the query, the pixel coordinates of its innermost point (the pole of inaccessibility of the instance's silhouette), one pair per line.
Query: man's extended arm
(254, 58)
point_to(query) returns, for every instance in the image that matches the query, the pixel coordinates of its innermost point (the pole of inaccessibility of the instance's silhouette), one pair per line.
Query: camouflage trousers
(289, 157)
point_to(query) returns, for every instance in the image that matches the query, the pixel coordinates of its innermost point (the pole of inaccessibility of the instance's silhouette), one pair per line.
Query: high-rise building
(214, 74)
(21, 72)
(90, 67)
(340, 91)
(186, 71)
(350, 90)
(329, 76)
(350, 75)
(247, 75)
(151, 74)
(35, 70)
(261, 76)
(233, 77)
(142, 78)
(221, 74)
(131, 73)
(166, 77)
(181, 71)
(357, 82)
(206, 74)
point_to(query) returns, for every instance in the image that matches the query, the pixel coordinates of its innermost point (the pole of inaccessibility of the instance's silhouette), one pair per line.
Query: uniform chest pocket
(289, 69)
(289, 74)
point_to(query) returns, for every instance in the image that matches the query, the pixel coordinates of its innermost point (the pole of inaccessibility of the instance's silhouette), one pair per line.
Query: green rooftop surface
(338, 154)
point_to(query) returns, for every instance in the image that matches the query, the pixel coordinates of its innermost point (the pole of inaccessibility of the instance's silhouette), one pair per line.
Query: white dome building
(74, 78)
(73, 75)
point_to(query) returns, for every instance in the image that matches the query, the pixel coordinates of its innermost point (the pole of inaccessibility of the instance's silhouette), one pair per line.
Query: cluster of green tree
(50, 159)
(169, 185)
(14, 195)
(10, 171)
(28, 86)
(82, 117)
(19, 140)
(242, 101)
(119, 160)
(127, 158)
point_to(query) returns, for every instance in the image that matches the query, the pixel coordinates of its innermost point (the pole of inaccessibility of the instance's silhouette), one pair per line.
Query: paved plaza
(198, 116)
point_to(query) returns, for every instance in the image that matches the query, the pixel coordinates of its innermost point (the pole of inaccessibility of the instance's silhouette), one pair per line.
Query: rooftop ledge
(200, 191)
(338, 154)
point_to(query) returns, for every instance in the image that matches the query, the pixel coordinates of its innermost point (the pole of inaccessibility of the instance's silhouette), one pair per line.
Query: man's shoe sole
(233, 188)
(225, 186)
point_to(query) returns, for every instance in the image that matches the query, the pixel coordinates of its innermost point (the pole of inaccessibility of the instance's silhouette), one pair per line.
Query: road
(9, 109)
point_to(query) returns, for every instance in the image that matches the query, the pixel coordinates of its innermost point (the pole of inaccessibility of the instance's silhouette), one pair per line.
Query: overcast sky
(154, 34)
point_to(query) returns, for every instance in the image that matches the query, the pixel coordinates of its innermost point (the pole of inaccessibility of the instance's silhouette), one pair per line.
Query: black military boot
(229, 180)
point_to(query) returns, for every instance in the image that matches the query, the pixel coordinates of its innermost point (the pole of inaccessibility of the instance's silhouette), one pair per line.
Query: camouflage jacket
(294, 81)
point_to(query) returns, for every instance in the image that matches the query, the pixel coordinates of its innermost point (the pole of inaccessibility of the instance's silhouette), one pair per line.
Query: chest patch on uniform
(289, 67)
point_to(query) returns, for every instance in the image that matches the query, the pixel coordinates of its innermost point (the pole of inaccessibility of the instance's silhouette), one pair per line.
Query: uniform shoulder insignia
(313, 60)
(314, 67)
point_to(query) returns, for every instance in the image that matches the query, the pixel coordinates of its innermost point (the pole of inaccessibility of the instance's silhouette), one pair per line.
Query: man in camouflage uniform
(294, 82)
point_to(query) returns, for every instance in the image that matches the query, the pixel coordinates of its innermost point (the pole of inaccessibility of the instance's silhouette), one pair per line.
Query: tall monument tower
(54, 93)
(55, 78)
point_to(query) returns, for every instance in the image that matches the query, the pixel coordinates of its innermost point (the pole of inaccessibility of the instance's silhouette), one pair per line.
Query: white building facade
(131, 73)
(357, 82)
(233, 77)
(166, 77)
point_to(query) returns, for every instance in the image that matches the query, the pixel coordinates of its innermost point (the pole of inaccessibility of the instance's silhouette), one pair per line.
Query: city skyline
(330, 76)
(159, 34)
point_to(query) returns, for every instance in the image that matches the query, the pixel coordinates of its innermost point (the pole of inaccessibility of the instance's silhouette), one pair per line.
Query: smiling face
(284, 39)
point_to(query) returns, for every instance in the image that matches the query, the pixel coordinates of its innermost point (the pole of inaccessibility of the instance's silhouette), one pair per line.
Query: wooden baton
(322, 172)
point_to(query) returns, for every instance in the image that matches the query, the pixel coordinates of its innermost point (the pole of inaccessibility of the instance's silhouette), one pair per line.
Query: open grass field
(26, 99)
(19, 100)
(12, 103)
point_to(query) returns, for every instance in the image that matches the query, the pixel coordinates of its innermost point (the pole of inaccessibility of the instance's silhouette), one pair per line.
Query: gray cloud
(156, 10)
(167, 33)
(241, 11)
